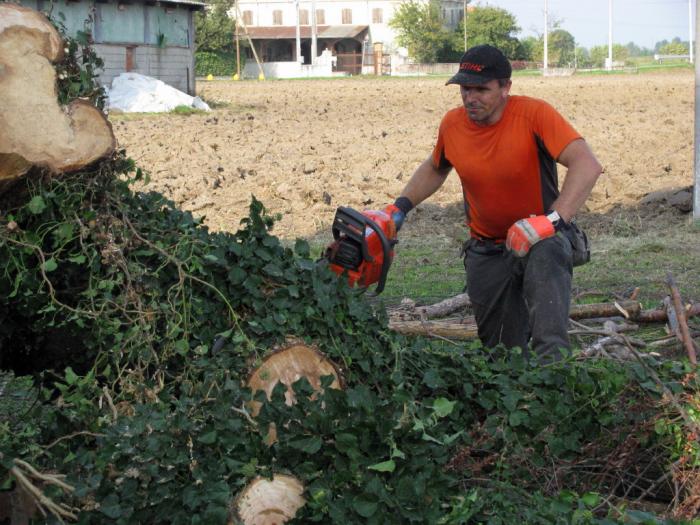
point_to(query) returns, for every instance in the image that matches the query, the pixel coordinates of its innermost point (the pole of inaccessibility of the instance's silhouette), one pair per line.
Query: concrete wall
(172, 65)
(288, 70)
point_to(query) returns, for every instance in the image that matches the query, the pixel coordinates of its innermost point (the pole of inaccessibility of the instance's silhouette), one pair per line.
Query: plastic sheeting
(136, 93)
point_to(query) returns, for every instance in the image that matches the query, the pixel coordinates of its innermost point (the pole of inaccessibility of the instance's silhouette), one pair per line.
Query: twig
(245, 414)
(110, 403)
(667, 393)
(71, 436)
(684, 334)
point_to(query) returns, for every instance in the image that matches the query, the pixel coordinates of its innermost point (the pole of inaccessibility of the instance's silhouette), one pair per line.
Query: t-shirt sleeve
(439, 160)
(554, 130)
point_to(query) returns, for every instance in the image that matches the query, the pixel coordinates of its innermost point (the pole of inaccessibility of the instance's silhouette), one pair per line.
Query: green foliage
(149, 419)
(674, 48)
(77, 72)
(561, 48)
(599, 54)
(420, 29)
(214, 29)
(495, 26)
(217, 63)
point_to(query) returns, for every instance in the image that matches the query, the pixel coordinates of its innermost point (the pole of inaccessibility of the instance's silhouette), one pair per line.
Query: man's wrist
(404, 204)
(557, 220)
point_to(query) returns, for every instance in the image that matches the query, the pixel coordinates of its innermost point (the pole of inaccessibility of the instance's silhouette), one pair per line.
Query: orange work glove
(396, 214)
(527, 232)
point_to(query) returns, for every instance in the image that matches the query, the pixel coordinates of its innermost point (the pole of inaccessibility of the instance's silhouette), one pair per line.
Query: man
(505, 150)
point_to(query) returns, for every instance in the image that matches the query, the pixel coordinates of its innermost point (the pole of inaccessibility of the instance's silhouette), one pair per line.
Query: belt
(492, 240)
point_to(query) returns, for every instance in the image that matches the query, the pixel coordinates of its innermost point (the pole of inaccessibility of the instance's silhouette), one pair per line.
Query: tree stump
(34, 129)
(265, 502)
(286, 366)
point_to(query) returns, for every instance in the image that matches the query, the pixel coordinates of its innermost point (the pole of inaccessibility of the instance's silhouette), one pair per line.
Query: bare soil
(305, 147)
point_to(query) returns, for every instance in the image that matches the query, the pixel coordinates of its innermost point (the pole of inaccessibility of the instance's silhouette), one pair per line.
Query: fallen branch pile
(608, 320)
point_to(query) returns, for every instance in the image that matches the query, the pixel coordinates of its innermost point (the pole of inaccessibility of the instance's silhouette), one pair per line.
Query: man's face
(485, 102)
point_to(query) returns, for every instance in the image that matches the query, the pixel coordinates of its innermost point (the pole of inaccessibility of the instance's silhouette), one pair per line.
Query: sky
(643, 22)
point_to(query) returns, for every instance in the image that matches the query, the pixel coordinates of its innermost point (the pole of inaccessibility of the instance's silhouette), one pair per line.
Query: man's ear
(506, 89)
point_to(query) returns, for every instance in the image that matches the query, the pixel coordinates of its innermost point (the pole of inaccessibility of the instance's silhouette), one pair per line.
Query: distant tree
(674, 48)
(528, 47)
(561, 48)
(492, 25)
(660, 44)
(582, 57)
(214, 29)
(420, 29)
(600, 53)
(633, 49)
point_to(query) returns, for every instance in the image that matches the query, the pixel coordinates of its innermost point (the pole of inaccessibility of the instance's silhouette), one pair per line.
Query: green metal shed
(154, 38)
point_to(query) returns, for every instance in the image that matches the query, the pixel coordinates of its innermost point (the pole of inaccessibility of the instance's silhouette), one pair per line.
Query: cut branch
(682, 332)
(270, 502)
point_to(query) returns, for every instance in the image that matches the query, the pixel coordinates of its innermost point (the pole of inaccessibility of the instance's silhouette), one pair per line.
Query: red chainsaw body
(363, 246)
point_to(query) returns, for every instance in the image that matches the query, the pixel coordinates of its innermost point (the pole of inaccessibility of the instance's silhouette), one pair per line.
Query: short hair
(502, 82)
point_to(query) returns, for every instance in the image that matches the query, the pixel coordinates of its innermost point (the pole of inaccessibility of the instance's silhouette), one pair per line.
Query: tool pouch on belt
(581, 250)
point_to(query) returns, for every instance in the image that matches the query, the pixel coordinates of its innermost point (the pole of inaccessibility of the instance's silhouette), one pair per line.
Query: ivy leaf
(432, 379)
(36, 205)
(365, 505)
(110, 506)
(208, 438)
(384, 466)
(71, 377)
(309, 445)
(590, 499)
(50, 265)
(443, 407)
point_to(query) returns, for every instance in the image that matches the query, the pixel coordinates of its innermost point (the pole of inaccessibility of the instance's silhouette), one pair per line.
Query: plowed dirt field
(305, 147)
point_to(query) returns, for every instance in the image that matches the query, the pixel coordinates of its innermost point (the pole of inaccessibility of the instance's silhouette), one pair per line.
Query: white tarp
(135, 93)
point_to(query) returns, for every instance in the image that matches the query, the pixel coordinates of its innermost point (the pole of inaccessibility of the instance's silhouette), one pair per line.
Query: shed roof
(286, 32)
(192, 3)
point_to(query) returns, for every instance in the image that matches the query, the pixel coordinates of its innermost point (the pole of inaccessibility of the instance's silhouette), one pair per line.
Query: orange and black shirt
(508, 170)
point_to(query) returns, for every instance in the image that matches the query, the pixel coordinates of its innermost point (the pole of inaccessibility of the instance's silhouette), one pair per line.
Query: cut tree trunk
(265, 502)
(34, 129)
(286, 366)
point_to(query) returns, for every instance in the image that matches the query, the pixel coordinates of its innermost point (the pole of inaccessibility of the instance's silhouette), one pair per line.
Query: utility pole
(696, 193)
(690, 29)
(298, 33)
(610, 55)
(464, 22)
(238, 46)
(313, 33)
(546, 30)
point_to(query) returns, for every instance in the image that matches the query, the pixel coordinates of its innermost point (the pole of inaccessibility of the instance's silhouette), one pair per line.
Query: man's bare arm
(582, 174)
(425, 181)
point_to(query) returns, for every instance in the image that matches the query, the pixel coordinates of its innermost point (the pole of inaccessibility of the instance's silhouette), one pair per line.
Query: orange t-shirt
(508, 170)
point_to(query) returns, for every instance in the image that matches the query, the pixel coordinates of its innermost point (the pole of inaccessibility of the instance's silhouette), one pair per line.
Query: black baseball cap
(480, 64)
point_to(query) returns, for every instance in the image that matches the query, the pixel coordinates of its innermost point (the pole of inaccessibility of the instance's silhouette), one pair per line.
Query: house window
(377, 16)
(277, 17)
(247, 18)
(304, 17)
(320, 16)
(347, 16)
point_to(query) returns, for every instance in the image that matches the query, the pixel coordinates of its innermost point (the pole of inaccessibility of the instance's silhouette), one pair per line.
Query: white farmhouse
(349, 31)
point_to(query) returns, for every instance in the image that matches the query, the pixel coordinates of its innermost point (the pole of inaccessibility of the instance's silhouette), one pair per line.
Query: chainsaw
(363, 246)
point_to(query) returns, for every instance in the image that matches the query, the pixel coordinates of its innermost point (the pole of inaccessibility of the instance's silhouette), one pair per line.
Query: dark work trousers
(518, 299)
